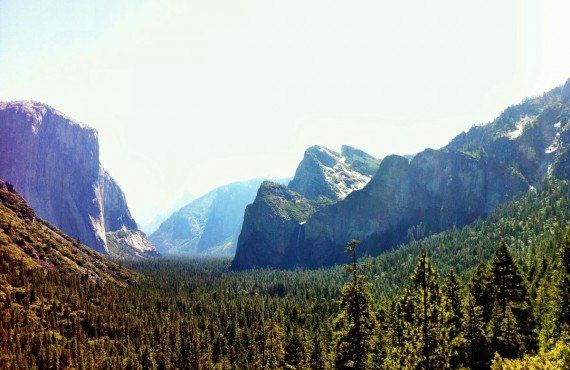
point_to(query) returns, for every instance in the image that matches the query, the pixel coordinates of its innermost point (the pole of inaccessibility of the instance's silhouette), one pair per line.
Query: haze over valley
(284, 185)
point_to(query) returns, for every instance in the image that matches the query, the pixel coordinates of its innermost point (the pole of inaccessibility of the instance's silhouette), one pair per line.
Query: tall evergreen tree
(295, 354)
(424, 331)
(480, 289)
(562, 301)
(510, 293)
(273, 350)
(506, 337)
(452, 319)
(318, 356)
(356, 322)
(477, 354)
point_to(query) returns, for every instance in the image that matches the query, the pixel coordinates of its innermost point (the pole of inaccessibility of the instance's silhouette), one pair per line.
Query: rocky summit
(410, 196)
(274, 223)
(53, 162)
(328, 175)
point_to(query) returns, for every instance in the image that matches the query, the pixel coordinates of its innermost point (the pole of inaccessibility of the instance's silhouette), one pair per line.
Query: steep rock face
(53, 161)
(433, 192)
(116, 214)
(274, 224)
(209, 225)
(435, 189)
(129, 244)
(180, 233)
(328, 175)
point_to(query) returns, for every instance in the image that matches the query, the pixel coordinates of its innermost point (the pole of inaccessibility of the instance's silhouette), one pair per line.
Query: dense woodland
(493, 294)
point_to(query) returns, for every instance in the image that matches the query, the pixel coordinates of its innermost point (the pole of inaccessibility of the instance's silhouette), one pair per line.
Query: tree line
(439, 324)
(492, 294)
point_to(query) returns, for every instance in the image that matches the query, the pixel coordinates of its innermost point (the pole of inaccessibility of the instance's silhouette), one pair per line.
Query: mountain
(326, 174)
(53, 162)
(433, 191)
(274, 223)
(210, 224)
(32, 243)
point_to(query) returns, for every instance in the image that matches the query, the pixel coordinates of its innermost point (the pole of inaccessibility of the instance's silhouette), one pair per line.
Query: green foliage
(475, 347)
(424, 333)
(452, 319)
(512, 323)
(562, 298)
(200, 315)
(356, 323)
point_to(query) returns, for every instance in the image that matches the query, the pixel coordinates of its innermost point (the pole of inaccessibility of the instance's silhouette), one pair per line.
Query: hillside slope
(32, 243)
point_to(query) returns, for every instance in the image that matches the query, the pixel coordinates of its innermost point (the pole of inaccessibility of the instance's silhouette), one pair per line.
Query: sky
(190, 95)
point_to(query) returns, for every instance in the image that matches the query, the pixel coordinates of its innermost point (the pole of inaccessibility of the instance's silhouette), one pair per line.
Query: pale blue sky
(189, 95)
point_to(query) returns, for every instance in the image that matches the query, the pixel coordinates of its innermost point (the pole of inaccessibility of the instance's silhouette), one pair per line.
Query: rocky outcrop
(129, 244)
(273, 223)
(116, 214)
(181, 232)
(360, 161)
(273, 226)
(327, 175)
(53, 162)
(429, 192)
(209, 225)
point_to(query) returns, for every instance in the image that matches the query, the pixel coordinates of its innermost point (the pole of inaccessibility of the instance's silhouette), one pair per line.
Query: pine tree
(505, 330)
(318, 357)
(147, 359)
(396, 329)
(424, 333)
(380, 345)
(475, 346)
(510, 293)
(452, 319)
(562, 301)
(480, 289)
(295, 354)
(429, 297)
(273, 350)
(356, 322)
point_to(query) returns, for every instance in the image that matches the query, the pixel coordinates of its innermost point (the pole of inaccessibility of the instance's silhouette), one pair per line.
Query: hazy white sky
(189, 95)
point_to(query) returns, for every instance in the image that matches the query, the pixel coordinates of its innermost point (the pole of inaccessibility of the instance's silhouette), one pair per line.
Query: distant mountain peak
(324, 173)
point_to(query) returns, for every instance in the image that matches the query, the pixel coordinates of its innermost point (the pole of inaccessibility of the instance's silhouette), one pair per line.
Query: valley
(457, 257)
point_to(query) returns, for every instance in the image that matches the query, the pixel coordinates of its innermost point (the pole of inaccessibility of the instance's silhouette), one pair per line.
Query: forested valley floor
(495, 293)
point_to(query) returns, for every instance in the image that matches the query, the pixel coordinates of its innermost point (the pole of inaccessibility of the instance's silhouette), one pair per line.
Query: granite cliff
(327, 175)
(209, 225)
(275, 222)
(53, 162)
(432, 191)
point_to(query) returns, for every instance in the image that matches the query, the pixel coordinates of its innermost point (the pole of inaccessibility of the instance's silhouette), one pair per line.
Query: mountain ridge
(436, 189)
